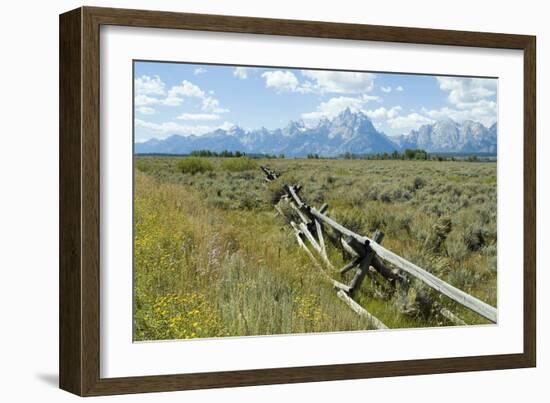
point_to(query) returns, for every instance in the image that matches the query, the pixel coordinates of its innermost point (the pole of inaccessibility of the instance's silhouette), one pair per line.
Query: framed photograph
(249, 201)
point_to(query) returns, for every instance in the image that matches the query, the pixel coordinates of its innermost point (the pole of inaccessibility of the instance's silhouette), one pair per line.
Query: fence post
(365, 258)
(378, 236)
(367, 255)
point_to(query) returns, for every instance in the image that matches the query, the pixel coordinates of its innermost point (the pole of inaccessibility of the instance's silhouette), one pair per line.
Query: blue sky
(194, 99)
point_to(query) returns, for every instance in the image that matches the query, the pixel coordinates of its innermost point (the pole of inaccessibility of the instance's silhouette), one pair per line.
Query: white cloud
(145, 110)
(146, 87)
(149, 85)
(409, 122)
(142, 100)
(483, 111)
(389, 89)
(162, 130)
(176, 95)
(241, 72)
(383, 113)
(282, 81)
(334, 106)
(172, 100)
(210, 104)
(321, 82)
(339, 81)
(399, 123)
(471, 98)
(226, 125)
(199, 70)
(186, 89)
(198, 116)
(466, 91)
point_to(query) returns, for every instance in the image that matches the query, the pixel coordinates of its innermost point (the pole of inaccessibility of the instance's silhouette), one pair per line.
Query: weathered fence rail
(368, 256)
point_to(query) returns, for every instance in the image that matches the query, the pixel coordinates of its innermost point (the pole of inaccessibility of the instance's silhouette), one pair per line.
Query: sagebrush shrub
(193, 165)
(214, 234)
(239, 164)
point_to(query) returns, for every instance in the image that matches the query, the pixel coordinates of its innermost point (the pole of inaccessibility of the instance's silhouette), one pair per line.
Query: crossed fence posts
(368, 258)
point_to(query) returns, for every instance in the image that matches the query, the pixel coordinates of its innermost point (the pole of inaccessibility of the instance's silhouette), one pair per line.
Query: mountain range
(348, 132)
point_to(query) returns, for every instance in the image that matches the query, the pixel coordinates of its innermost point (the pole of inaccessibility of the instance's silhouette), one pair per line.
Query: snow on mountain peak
(349, 131)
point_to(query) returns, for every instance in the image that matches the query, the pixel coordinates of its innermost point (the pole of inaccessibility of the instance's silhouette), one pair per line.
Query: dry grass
(211, 259)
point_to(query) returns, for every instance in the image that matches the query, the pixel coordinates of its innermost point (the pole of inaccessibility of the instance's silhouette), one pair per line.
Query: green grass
(193, 165)
(211, 259)
(239, 164)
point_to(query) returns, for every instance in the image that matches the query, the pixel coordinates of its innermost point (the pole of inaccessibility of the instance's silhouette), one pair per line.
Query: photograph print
(278, 201)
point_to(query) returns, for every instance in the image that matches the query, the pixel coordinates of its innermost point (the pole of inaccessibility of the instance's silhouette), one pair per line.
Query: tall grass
(239, 164)
(212, 260)
(193, 165)
(207, 272)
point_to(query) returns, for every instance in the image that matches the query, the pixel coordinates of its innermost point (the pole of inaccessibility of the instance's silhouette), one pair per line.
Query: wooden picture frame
(79, 346)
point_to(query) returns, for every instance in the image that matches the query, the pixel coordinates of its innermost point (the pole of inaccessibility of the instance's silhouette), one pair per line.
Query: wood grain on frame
(70, 315)
(79, 200)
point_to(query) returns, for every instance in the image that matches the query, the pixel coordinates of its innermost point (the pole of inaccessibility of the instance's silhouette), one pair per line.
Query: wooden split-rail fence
(313, 227)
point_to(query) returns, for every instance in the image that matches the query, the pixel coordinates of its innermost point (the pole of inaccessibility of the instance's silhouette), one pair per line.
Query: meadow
(212, 259)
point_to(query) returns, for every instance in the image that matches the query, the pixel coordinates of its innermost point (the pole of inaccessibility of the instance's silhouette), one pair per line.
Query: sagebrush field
(212, 259)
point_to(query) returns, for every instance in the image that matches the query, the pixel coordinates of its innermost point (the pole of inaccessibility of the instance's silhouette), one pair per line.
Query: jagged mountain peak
(348, 124)
(350, 116)
(294, 126)
(235, 130)
(349, 131)
(448, 135)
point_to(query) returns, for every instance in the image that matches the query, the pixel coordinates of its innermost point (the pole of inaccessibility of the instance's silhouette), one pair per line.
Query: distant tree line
(420, 155)
(408, 154)
(232, 154)
(273, 156)
(224, 153)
